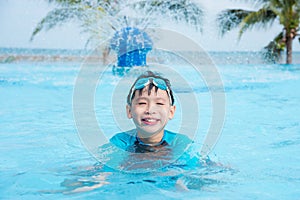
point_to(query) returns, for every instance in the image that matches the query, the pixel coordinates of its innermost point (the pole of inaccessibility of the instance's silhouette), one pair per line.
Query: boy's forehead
(159, 93)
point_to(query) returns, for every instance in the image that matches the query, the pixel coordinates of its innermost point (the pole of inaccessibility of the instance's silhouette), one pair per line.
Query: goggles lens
(143, 82)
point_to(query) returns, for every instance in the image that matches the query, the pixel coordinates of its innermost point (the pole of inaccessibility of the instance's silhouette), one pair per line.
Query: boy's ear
(172, 112)
(128, 111)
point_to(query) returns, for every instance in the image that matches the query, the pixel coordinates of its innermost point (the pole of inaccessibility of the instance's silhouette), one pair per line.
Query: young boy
(150, 104)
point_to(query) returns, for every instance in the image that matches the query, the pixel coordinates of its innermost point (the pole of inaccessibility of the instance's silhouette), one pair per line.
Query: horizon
(83, 49)
(16, 55)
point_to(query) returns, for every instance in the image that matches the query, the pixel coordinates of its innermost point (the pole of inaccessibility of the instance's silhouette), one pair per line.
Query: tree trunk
(289, 50)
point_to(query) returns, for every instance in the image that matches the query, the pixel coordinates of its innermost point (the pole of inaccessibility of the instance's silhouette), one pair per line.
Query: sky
(19, 18)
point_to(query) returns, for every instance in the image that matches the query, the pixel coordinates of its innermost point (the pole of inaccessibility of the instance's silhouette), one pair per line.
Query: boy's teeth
(149, 120)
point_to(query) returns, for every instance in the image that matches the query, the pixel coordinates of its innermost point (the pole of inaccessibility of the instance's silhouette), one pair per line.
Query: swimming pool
(42, 156)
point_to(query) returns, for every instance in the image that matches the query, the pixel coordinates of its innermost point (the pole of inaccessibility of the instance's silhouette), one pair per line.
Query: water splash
(132, 46)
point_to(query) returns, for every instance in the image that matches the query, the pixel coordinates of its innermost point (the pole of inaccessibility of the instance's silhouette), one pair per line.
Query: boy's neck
(154, 139)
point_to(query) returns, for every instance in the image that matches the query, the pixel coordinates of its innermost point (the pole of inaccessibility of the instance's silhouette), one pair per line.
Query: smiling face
(150, 113)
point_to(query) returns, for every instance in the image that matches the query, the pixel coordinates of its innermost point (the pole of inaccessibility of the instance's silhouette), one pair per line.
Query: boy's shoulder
(172, 137)
(123, 139)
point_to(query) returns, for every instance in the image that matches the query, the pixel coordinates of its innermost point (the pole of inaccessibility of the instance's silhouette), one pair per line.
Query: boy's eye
(141, 103)
(160, 104)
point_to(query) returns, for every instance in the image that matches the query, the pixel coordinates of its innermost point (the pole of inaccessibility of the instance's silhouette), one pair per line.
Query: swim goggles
(143, 82)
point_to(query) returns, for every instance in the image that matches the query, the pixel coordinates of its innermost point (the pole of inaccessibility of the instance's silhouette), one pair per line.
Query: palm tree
(286, 12)
(100, 17)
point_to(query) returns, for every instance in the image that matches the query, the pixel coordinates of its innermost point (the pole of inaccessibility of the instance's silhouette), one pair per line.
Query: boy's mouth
(149, 121)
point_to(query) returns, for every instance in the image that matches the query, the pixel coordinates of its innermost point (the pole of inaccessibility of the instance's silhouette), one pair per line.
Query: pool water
(42, 156)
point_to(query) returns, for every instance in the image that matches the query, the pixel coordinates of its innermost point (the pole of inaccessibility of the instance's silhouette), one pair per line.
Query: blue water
(42, 156)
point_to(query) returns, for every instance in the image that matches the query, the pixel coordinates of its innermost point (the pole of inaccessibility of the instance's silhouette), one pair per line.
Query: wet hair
(148, 74)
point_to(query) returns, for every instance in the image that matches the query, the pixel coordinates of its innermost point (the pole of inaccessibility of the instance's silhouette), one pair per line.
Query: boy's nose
(150, 109)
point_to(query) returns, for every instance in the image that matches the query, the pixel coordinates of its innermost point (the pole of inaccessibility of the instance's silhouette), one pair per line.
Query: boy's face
(150, 113)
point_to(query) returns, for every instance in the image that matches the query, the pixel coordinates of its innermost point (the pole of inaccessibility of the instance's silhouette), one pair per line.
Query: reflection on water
(171, 179)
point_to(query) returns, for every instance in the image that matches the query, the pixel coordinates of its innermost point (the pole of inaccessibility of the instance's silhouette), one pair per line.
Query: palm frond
(260, 19)
(273, 51)
(230, 19)
(178, 10)
(56, 18)
(67, 2)
(60, 16)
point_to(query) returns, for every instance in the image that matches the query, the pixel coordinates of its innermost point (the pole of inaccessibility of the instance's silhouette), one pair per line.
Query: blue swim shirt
(174, 146)
(127, 140)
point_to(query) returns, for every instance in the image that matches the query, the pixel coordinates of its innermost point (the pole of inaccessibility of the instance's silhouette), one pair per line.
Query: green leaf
(230, 19)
